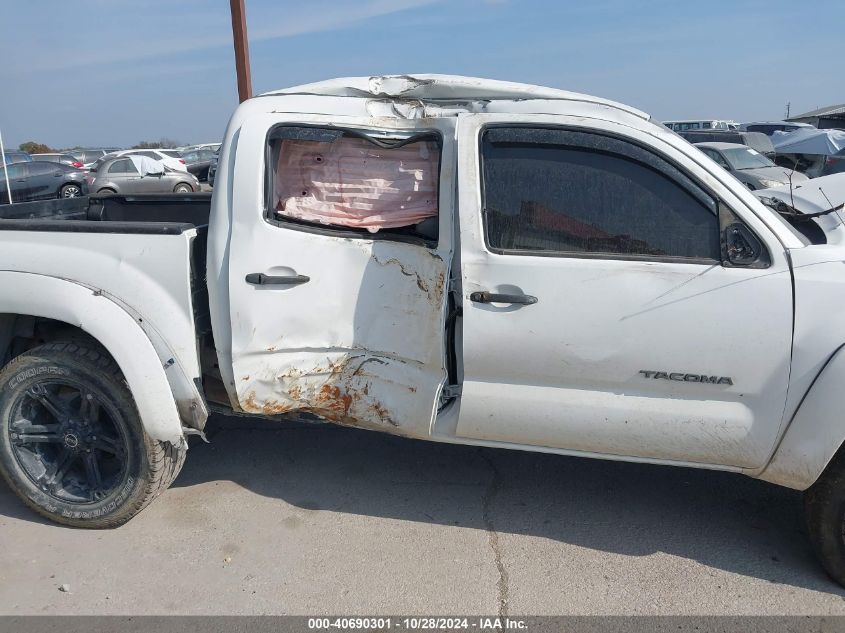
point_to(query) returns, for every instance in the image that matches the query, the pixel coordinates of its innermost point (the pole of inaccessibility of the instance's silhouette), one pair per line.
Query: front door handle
(260, 279)
(491, 297)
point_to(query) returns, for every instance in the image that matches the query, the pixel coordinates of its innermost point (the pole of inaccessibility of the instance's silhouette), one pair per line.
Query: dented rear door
(333, 313)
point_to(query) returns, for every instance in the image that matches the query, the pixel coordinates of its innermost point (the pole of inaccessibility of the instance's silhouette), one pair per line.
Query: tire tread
(165, 460)
(824, 507)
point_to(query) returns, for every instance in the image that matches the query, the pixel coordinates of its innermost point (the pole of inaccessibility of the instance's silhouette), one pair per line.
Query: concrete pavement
(319, 519)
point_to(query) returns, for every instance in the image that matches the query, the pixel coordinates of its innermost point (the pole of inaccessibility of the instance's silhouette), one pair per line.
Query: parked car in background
(170, 157)
(812, 151)
(41, 180)
(16, 156)
(198, 162)
(748, 166)
(754, 140)
(189, 148)
(63, 159)
(212, 168)
(705, 124)
(88, 156)
(814, 165)
(134, 173)
(834, 164)
(770, 127)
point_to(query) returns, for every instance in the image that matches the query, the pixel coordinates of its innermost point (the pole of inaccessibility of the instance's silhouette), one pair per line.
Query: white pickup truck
(436, 257)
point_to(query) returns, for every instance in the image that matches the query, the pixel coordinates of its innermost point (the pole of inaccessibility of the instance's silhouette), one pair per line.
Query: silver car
(749, 166)
(122, 175)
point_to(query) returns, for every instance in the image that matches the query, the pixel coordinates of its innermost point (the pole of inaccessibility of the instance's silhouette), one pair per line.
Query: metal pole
(5, 171)
(241, 49)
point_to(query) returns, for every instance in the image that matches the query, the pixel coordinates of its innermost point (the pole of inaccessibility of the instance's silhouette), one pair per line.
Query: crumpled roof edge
(433, 87)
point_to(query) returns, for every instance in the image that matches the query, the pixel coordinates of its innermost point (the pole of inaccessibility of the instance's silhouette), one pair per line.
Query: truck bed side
(144, 253)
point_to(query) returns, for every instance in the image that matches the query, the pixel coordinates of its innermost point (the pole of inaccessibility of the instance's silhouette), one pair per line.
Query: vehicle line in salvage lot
(301, 519)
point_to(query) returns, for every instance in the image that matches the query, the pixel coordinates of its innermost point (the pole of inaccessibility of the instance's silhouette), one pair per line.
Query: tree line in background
(31, 147)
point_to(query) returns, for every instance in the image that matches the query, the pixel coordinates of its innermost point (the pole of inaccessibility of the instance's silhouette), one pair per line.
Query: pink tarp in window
(353, 182)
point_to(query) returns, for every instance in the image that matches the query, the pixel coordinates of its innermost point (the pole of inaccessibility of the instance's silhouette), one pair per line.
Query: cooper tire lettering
(33, 372)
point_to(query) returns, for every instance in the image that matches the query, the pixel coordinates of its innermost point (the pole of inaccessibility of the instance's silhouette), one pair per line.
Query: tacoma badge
(682, 377)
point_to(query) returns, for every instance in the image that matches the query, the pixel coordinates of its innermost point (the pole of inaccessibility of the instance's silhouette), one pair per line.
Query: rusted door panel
(362, 342)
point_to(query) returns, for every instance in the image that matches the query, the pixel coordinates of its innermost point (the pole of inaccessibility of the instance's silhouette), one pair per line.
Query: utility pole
(241, 49)
(788, 104)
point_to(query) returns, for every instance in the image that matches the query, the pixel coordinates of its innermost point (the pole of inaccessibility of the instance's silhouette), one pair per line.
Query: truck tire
(72, 446)
(824, 505)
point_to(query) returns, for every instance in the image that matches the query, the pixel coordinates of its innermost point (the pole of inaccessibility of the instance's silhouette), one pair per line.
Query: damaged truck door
(338, 269)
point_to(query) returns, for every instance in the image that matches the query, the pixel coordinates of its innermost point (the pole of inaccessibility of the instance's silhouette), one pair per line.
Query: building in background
(831, 117)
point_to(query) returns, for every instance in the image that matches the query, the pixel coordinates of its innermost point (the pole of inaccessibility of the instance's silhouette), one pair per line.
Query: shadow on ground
(721, 520)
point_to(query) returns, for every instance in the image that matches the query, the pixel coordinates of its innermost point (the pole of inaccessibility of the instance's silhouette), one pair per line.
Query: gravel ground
(272, 518)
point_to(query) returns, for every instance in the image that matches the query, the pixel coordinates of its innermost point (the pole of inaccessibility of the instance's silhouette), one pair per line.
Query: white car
(170, 157)
(188, 148)
(436, 257)
(701, 124)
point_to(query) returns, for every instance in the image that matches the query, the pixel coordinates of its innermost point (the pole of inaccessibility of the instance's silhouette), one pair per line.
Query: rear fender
(115, 329)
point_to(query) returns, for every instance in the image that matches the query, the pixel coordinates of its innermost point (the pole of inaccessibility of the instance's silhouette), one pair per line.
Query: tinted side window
(16, 170)
(124, 166)
(42, 168)
(717, 157)
(16, 157)
(557, 191)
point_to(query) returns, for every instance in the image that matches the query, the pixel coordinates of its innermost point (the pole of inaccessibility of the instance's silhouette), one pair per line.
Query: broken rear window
(354, 181)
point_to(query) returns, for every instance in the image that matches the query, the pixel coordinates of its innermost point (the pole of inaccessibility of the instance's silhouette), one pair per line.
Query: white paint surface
(362, 342)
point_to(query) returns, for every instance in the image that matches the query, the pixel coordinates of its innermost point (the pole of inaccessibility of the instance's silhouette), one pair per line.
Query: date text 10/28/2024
(417, 624)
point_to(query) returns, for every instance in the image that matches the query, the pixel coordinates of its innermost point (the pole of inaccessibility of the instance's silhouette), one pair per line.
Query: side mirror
(740, 246)
(153, 173)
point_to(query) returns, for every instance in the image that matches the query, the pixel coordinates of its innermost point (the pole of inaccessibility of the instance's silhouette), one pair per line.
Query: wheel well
(108, 189)
(187, 184)
(21, 332)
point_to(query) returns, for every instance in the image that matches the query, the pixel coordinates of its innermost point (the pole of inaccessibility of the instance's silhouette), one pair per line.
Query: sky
(116, 72)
